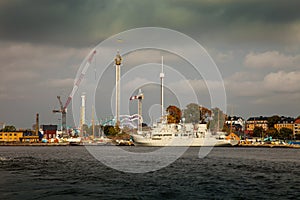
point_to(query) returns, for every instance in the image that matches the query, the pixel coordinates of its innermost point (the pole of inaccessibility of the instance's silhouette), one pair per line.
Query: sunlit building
(14, 136)
(285, 122)
(297, 127)
(253, 122)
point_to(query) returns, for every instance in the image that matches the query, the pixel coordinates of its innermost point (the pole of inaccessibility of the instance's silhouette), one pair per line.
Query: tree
(9, 128)
(174, 114)
(272, 121)
(258, 131)
(218, 120)
(195, 113)
(192, 113)
(285, 133)
(110, 130)
(273, 132)
(85, 129)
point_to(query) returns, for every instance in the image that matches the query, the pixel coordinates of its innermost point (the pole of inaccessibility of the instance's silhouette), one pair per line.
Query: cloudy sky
(255, 44)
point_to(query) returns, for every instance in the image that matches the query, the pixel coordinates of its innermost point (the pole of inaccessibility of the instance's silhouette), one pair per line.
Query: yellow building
(11, 136)
(285, 123)
(297, 127)
(253, 122)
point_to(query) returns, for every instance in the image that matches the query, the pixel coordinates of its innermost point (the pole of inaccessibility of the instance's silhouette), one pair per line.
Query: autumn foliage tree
(174, 114)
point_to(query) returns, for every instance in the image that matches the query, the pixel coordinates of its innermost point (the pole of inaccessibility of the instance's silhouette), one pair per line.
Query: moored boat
(182, 135)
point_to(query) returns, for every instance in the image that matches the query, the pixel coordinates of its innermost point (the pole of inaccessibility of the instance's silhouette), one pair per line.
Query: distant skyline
(255, 44)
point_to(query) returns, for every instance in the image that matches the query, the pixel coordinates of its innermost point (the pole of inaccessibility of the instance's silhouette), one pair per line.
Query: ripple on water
(226, 173)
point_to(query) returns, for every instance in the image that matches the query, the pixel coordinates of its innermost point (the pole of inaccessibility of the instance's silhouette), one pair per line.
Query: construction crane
(63, 108)
(63, 112)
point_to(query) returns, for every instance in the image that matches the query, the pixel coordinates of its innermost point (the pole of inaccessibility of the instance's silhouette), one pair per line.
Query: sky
(255, 44)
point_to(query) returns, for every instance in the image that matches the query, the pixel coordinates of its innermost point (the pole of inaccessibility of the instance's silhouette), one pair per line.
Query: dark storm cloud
(49, 20)
(267, 11)
(86, 22)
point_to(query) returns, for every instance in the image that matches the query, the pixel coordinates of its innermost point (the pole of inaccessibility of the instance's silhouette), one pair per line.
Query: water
(226, 173)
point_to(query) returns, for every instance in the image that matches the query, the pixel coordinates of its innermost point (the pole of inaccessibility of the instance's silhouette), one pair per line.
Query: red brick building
(49, 131)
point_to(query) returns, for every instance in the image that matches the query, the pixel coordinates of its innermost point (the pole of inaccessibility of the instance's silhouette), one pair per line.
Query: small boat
(75, 141)
(124, 143)
(98, 142)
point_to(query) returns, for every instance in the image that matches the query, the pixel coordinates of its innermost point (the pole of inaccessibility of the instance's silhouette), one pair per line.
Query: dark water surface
(226, 173)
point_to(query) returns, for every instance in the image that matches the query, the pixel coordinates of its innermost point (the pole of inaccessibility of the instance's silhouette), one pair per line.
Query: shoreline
(269, 146)
(237, 146)
(35, 144)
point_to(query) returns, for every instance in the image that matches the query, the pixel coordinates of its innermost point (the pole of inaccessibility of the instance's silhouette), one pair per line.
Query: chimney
(37, 124)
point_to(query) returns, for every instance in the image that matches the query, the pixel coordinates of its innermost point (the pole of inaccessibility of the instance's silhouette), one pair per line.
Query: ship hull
(181, 141)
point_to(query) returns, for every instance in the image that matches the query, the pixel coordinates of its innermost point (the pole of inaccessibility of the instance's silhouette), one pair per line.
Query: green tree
(85, 129)
(272, 121)
(258, 131)
(218, 120)
(9, 128)
(174, 114)
(272, 132)
(195, 113)
(110, 130)
(191, 113)
(286, 133)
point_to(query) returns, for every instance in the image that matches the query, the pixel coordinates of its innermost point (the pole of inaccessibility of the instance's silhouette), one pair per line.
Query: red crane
(63, 108)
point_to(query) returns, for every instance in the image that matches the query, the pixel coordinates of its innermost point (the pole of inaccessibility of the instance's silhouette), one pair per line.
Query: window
(15, 134)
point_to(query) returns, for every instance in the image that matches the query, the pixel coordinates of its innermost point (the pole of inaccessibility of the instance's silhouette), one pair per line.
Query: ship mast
(93, 121)
(162, 75)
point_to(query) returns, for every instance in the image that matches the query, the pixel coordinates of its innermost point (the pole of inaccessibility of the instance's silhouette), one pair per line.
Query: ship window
(10, 134)
(15, 134)
(0, 134)
(156, 138)
(158, 135)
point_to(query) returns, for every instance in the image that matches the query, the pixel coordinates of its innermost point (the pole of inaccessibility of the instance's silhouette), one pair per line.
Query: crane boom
(77, 82)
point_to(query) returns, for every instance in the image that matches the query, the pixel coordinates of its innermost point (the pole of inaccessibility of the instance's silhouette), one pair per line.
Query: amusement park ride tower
(118, 61)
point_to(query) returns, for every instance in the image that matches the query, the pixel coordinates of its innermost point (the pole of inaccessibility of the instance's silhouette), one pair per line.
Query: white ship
(198, 135)
(186, 134)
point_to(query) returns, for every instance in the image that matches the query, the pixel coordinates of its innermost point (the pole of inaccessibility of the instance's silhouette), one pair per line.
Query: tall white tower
(162, 75)
(82, 111)
(118, 61)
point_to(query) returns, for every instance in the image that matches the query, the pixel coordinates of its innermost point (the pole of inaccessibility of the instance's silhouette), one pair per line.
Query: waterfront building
(297, 128)
(14, 136)
(235, 123)
(253, 122)
(285, 122)
(49, 131)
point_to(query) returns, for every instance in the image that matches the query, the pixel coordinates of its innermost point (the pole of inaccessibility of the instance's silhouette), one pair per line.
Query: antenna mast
(162, 75)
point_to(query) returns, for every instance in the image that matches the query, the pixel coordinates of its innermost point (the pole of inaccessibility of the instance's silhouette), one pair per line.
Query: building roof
(260, 118)
(286, 120)
(234, 118)
(297, 121)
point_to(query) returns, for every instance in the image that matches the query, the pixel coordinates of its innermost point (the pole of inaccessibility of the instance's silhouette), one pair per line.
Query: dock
(270, 145)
